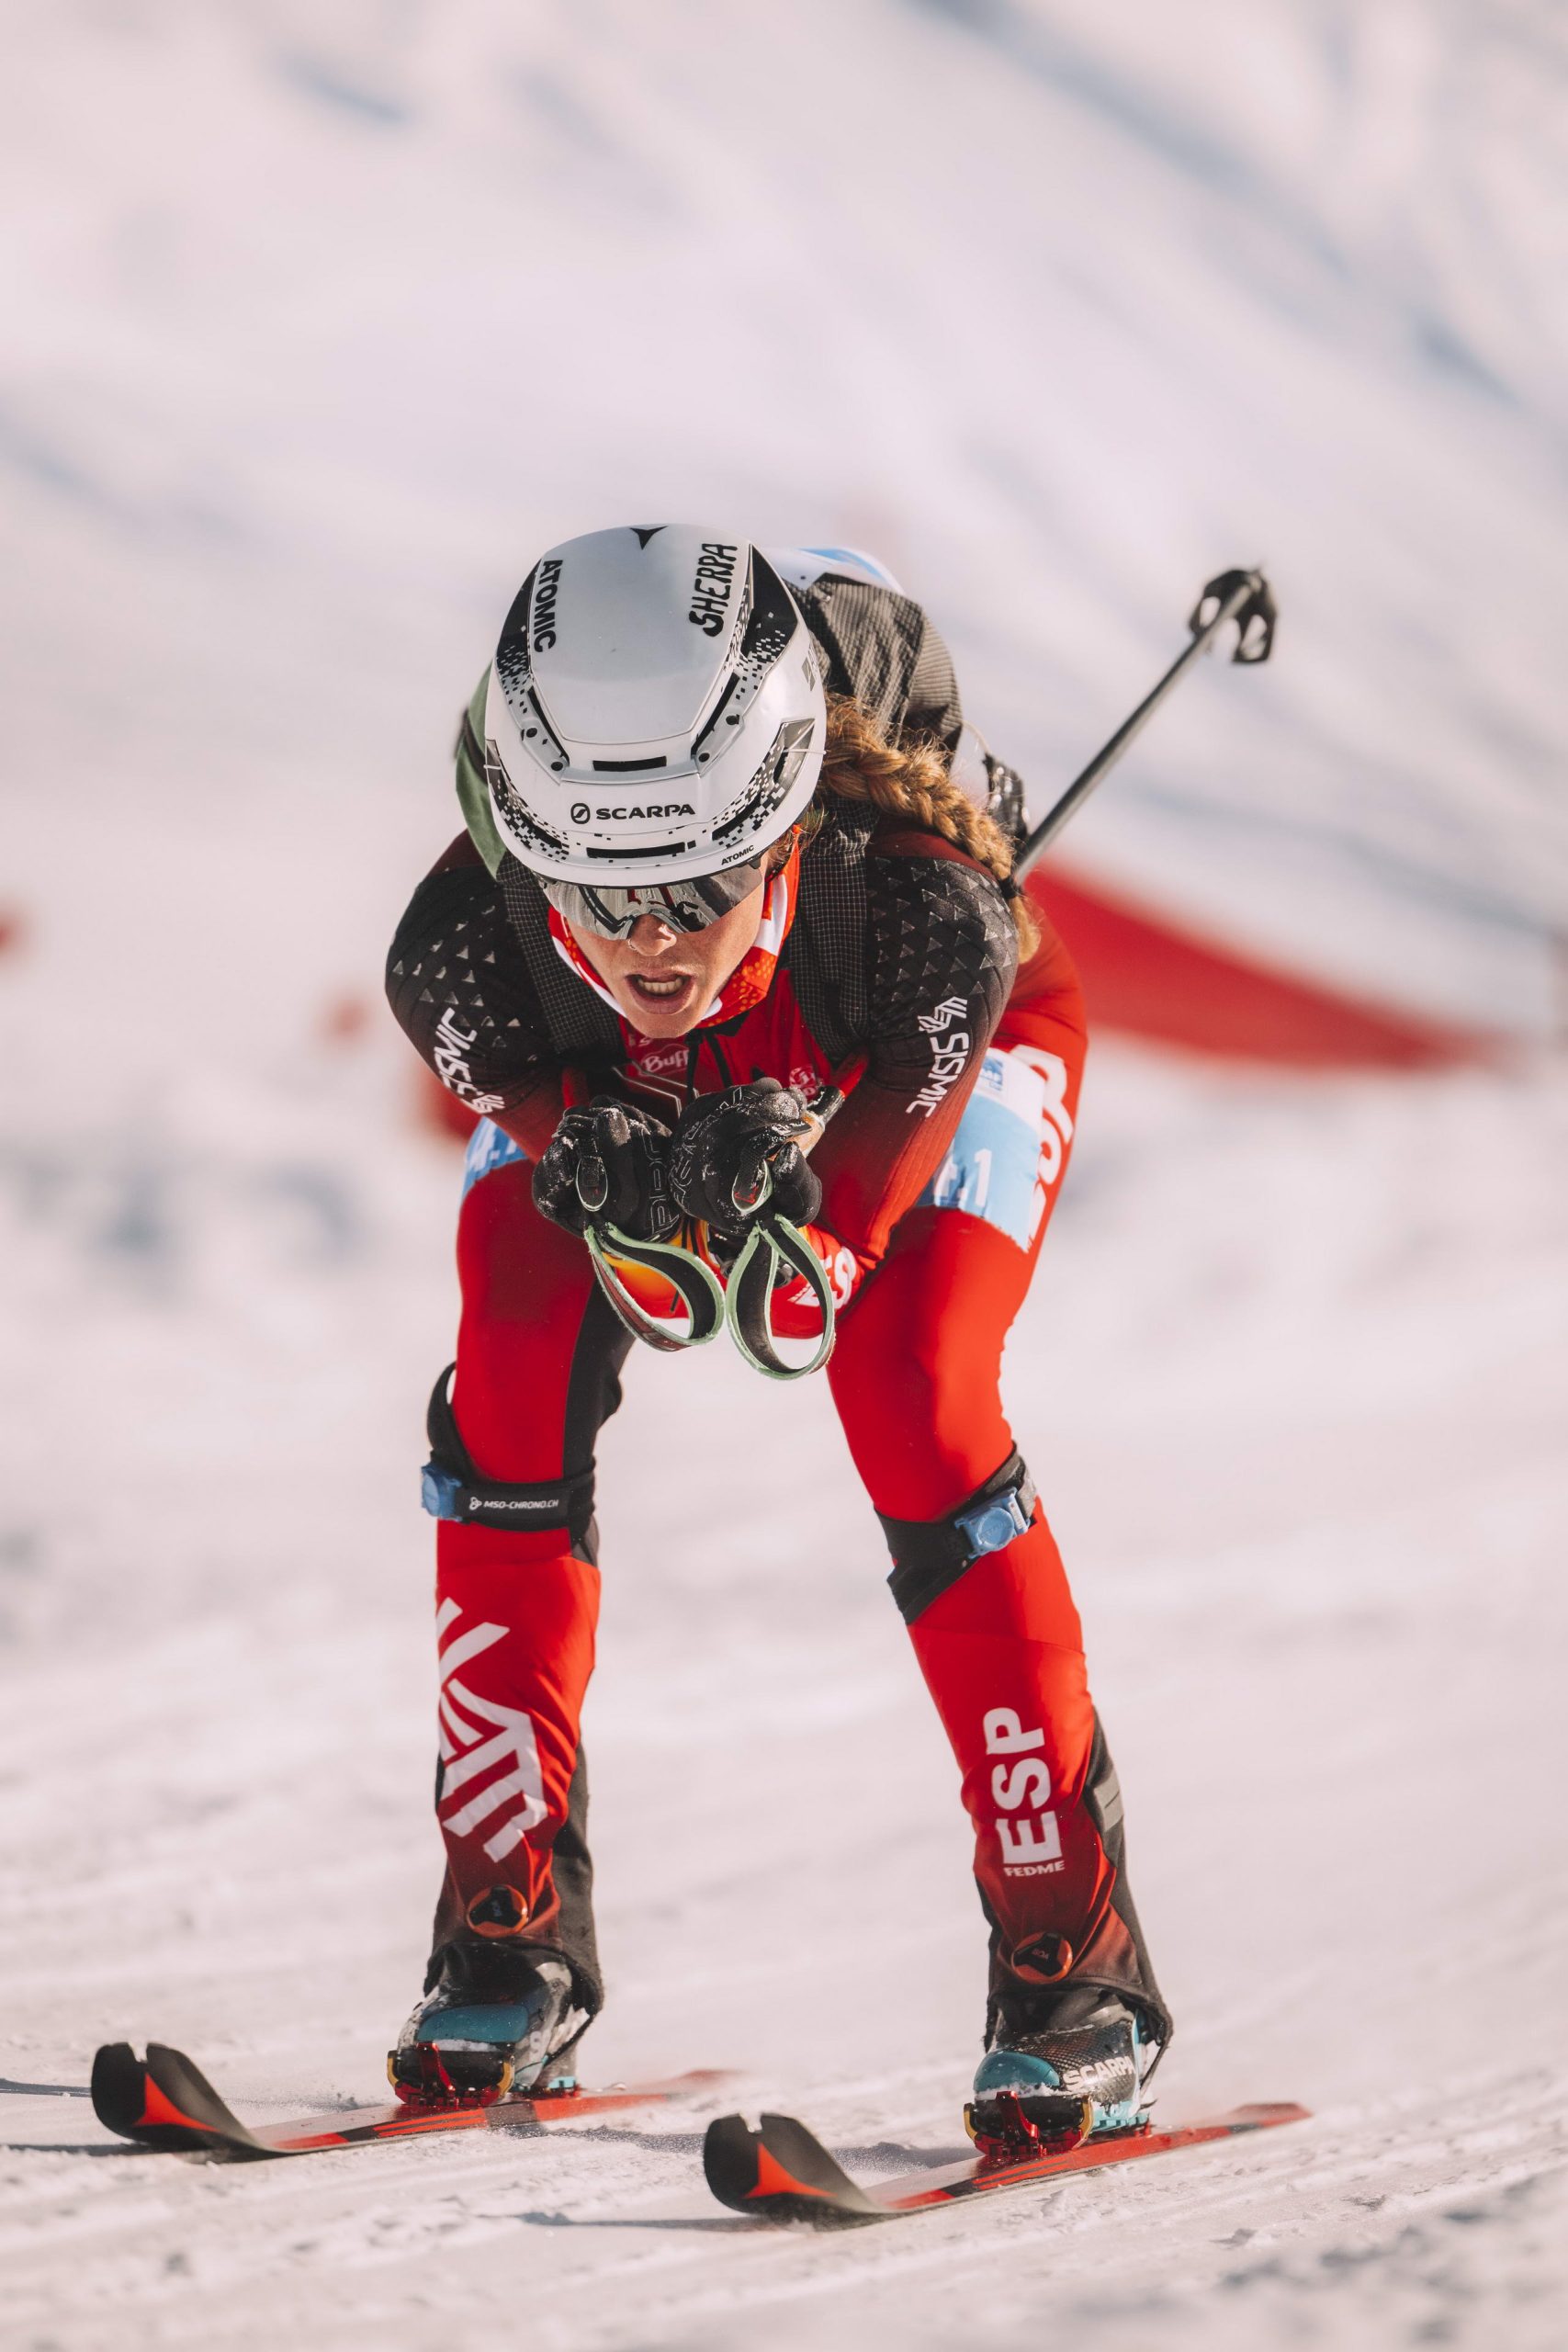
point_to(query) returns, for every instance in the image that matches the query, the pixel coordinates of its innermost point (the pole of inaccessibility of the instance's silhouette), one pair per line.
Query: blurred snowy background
(316, 323)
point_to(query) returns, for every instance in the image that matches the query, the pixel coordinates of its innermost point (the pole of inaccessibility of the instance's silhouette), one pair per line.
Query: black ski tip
(165, 2102)
(781, 2172)
(119, 2089)
(729, 2160)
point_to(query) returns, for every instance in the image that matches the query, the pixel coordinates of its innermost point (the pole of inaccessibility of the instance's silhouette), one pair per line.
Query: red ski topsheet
(166, 2103)
(782, 2173)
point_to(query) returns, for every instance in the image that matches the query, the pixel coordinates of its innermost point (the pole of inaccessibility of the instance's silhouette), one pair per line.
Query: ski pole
(1242, 597)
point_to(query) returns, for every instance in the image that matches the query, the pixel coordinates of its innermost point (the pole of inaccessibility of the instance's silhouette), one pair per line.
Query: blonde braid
(912, 781)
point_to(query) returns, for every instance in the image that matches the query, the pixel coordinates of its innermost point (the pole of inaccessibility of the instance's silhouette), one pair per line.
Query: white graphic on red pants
(1031, 1846)
(484, 1742)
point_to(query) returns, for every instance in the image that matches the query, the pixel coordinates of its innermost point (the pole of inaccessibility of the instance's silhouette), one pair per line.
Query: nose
(653, 936)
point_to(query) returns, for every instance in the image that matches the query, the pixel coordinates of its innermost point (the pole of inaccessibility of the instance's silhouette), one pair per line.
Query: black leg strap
(451, 1487)
(931, 1554)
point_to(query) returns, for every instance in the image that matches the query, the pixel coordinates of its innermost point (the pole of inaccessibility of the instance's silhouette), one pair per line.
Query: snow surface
(316, 321)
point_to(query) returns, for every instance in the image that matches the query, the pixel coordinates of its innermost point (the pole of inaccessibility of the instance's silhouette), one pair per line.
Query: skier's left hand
(606, 1161)
(737, 1156)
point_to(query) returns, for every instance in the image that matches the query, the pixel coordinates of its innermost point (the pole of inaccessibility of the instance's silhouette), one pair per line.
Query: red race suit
(887, 964)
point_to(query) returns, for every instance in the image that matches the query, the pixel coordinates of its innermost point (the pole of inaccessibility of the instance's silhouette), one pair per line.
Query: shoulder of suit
(894, 838)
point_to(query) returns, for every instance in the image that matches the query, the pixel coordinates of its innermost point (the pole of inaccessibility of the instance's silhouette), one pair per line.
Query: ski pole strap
(928, 1554)
(692, 1280)
(772, 1246)
(452, 1488)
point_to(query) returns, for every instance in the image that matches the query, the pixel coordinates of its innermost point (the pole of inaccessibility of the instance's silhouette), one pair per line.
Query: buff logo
(658, 808)
(546, 589)
(713, 587)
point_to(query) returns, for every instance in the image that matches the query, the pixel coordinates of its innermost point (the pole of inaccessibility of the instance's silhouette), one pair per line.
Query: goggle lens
(609, 911)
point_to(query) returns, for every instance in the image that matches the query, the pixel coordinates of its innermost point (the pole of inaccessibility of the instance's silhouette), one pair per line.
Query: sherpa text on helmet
(655, 709)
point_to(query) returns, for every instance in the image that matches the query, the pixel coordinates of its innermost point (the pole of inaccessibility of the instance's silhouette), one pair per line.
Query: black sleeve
(942, 951)
(459, 987)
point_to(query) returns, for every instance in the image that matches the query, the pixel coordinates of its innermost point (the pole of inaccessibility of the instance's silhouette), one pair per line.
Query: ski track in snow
(1293, 1375)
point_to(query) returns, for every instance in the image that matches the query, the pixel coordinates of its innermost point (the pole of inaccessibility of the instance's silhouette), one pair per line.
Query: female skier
(717, 857)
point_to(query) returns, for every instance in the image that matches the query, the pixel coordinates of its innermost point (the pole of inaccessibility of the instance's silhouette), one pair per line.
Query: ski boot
(495, 2020)
(1055, 2076)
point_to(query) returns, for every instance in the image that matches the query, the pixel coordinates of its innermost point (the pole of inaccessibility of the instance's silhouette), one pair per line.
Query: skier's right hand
(606, 1165)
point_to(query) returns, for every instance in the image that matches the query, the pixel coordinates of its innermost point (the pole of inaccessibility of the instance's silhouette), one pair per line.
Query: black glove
(735, 1156)
(606, 1165)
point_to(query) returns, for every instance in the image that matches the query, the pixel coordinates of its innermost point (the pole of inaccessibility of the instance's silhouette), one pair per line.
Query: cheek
(720, 960)
(604, 955)
(735, 935)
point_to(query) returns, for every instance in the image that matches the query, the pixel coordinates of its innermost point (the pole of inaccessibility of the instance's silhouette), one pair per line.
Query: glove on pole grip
(772, 1248)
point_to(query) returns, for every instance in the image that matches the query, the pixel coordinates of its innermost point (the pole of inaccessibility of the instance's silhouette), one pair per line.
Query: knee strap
(931, 1554)
(451, 1487)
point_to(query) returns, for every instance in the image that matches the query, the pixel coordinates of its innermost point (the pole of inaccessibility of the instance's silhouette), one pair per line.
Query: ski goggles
(610, 911)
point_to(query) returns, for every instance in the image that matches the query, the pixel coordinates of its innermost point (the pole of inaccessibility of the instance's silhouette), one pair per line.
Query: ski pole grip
(593, 1180)
(823, 1105)
(751, 1186)
(1246, 598)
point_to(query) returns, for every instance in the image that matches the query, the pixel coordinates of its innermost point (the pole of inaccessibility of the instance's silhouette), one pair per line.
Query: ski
(164, 2102)
(783, 2173)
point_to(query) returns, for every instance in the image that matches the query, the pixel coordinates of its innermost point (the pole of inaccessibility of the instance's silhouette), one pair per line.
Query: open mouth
(662, 994)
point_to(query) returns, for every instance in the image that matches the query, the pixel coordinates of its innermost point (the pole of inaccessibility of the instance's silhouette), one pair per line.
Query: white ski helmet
(655, 710)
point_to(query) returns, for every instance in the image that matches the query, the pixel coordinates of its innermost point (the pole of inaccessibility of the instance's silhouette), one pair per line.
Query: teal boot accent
(1077, 2073)
(495, 2020)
